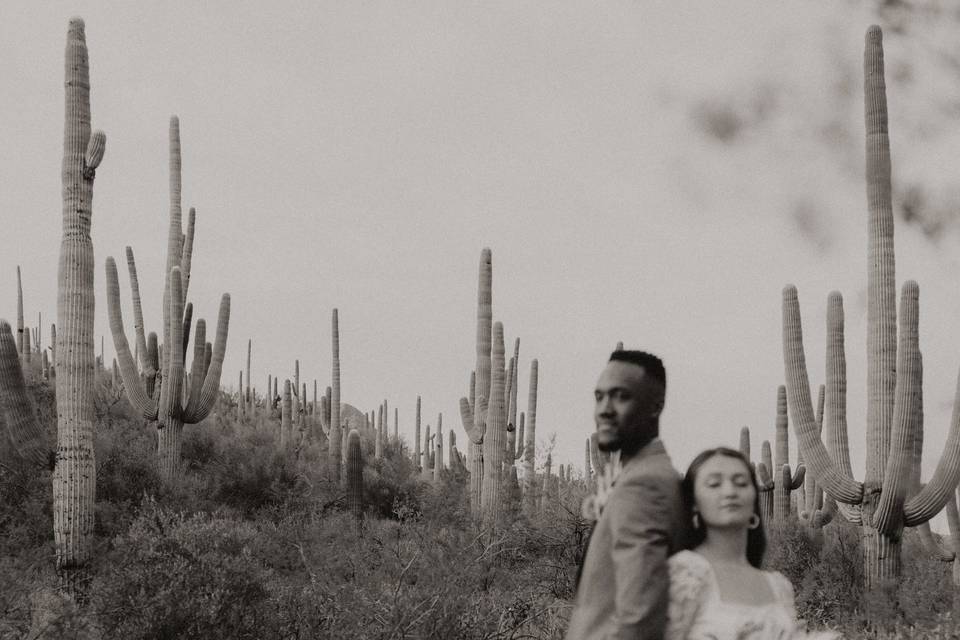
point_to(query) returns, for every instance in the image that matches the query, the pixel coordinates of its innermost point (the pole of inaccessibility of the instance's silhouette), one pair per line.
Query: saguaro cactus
(784, 481)
(473, 413)
(335, 434)
(495, 434)
(529, 447)
(24, 432)
(286, 422)
(880, 503)
(416, 437)
(354, 475)
(74, 477)
(173, 404)
(19, 313)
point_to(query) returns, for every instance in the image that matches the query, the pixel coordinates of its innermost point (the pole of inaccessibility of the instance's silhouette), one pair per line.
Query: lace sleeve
(688, 579)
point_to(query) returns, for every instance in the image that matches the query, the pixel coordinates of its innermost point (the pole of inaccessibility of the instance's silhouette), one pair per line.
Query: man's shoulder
(653, 466)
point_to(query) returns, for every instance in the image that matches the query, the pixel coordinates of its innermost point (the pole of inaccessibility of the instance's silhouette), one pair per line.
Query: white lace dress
(697, 612)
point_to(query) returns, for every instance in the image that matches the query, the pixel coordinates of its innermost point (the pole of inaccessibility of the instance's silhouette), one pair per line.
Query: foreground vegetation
(256, 544)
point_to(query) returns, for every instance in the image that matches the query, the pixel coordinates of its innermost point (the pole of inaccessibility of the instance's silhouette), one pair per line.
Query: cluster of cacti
(775, 475)
(488, 413)
(175, 399)
(879, 505)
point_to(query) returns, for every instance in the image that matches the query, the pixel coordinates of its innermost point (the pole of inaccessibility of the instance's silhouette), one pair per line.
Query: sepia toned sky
(648, 172)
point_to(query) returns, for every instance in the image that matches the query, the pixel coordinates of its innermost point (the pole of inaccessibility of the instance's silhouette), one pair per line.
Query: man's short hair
(652, 365)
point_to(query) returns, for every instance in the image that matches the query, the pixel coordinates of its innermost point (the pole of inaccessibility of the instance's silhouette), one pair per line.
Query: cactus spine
(74, 477)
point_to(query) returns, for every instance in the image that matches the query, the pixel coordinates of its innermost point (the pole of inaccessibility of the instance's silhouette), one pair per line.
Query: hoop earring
(696, 520)
(754, 521)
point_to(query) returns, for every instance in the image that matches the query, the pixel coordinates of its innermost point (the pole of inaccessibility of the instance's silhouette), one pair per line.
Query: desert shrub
(181, 576)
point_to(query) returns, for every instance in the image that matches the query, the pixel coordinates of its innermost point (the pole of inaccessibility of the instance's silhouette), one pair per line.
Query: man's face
(628, 406)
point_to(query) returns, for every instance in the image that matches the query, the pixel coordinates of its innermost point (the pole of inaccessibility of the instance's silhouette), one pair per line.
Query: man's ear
(657, 408)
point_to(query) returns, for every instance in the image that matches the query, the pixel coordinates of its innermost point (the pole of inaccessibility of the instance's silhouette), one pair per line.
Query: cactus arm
(797, 481)
(197, 373)
(187, 321)
(186, 257)
(941, 486)
(484, 338)
(745, 441)
(473, 431)
(811, 492)
(25, 432)
(781, 451)
(211, 381)
(837, 484)
(953, 522)
(137, 309)
(473, 391)
(171, 390)
(137, 395)
(518, 454)
(835, 414)
(897, 471)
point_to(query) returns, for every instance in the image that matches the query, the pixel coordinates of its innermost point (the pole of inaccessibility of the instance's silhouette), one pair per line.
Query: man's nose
(604, 406)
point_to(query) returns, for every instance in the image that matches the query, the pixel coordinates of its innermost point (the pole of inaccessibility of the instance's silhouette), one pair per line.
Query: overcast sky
(651, 172)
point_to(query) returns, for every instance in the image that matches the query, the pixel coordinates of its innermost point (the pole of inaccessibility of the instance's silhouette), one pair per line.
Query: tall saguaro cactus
(529, 447)
(495, 434)
(880, 505)
(74, 476)
(473, 414)
(171, 405)
(19, 314)
(336, 437)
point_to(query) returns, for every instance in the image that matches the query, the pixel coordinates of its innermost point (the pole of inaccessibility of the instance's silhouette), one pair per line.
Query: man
(623, 589)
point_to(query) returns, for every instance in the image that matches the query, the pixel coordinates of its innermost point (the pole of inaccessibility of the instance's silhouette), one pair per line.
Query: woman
(717, 589)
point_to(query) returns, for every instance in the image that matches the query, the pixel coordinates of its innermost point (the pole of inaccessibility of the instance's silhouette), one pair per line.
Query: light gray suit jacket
(623, 590)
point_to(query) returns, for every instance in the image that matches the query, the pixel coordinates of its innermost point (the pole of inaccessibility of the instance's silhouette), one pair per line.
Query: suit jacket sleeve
(641, 516)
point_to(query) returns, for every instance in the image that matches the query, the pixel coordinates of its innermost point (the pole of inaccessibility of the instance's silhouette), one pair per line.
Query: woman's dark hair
(756, 538)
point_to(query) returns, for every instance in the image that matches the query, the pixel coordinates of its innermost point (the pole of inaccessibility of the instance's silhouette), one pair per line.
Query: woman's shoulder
(781, 585)
(688, 566)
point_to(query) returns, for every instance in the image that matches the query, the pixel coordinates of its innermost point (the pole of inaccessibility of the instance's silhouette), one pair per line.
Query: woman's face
(723, 493)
